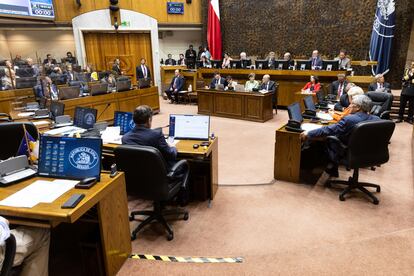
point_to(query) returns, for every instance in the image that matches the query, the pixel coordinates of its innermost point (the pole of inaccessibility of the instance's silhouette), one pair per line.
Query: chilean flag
(214, 30)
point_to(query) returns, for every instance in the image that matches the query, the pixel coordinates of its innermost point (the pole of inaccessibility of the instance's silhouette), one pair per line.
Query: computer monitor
(199, 64)
(144, 83)
(330, 65)
(195, 127)
(124, 85)
(99, 89)
(125, 120)
(235, 64)
(56, 109)
(85, 117)
(70, 92)
(68, 157)
(83, 77)
(25, 72)
(27, 82)
(281, 64)
(245, 63)
(102, 75)
(59, 80)
(309, 104)
(303, 64)
(262, 64)
(295, 113)
(216, 64)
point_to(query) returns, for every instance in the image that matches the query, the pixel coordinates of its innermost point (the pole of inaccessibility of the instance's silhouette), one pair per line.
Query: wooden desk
(8, 97)
(103, 212)
(299, 96)
(362, 81)
(203, 162)
(236, 105)
(290, 81)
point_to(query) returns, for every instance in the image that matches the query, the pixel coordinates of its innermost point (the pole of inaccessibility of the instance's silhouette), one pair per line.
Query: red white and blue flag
(214, 30)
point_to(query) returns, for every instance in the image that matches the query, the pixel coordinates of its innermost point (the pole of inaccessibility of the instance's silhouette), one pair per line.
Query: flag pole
(27, 143)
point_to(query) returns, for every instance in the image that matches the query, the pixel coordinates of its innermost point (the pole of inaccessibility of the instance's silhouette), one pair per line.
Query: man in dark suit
(143, 71)
(360, 108)
(270, 86)
(116, 67)
(380, 85)
(70, 76)
(70, 58)
(49, 61)
(316, 60)
(176, 85)
(170, 60)
(190, 57)
(337, 88)
(218, 80)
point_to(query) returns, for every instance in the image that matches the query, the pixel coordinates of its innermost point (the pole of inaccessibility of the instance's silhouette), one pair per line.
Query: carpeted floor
(285, 228)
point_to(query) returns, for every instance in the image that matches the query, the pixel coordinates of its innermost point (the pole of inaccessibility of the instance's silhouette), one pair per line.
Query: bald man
(316, 60)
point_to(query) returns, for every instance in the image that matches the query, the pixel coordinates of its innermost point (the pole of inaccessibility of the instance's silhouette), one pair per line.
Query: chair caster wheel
(186, 216)
(133, 237)
(378, 189)
(341, 198)
(170, 237)
(376, 202)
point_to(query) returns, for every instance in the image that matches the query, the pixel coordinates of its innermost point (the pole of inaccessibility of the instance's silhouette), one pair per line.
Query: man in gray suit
(344, 62)
(380, 85)
(316, 60)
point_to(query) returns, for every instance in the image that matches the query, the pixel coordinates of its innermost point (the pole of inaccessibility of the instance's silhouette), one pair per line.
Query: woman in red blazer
(312, 86)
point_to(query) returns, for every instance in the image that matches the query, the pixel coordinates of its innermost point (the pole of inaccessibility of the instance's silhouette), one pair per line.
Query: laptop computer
(144, 83)
(124, 120)
(124, 85)
(99, 89)
(68, 157)
(239, 88)
(71, 92)
(85, 117)
(189, 127)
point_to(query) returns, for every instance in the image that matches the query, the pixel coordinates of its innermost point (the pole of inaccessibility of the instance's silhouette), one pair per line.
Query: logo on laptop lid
(89, 118)
(83, 158)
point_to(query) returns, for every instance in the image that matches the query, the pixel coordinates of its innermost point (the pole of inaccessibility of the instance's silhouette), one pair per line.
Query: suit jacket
(333, 89)
(46, 61)
(344, 64)
(140, 74)
(178, 85)
(170, 61)
(271, 87)
(374, 86)
(190, 55)
(117, 69)
(214, 82)
(343, 128)
(181, 62)
(317, 64)
(70, 76)
(142, 136)
(316, 87)
(271, 63)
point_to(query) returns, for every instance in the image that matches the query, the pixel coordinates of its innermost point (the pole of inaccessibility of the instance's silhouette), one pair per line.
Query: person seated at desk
(267, 84)
(176, 85)
(49, 61)
(205, 63)
(110, 79)
(360, 108)
(251, 83)
(9, 79)
(312, 86)
(337, 88)
(217, 80)
(343, 99)
(70, 58)
(380, 85)
(143, 71)
(271, 60)
(181, 60)
(354, 91)
(288, 57)
(316, 60)
(70, 75)
(206, 53)
(226, 61)
(32, 248)
(170, 60)
(50, 90)
(244, 60)
(31, 65)
(18, 61)
(231, 84)
(344, 61)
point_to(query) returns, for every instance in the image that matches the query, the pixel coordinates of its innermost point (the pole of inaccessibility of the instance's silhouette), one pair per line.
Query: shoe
(399, 120)
(332, 170)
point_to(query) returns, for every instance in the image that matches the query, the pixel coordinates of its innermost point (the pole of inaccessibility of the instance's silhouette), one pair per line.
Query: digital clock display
(41, 9)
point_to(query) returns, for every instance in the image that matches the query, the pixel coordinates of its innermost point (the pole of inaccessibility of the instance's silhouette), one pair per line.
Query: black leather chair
(11, 135)
(4, 117)
(147, 177)
(10, 252)
(381, 104)
(363, 151)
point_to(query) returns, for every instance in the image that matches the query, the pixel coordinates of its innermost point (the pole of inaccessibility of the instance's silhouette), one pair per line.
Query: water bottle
(190, 88)
(212, 136)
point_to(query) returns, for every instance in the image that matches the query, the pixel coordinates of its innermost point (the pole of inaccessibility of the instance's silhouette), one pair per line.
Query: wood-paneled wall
(99, 46)
(67, 9)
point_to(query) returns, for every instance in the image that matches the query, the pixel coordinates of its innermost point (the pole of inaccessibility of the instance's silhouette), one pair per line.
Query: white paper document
(111, 135)
(37, 192)
(324, 116)
(67, 130)
(36, 123)
(19, 175)
(25, 114)
(310, 126)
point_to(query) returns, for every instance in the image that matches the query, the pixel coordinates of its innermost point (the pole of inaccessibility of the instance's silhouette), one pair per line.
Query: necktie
(380, 86)
(144, 71)
(340, 90)
(313, 62)
(175, 81)
(267, 87)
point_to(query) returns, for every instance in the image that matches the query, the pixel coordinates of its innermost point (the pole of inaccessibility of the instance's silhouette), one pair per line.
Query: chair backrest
(381, 101)
(145, 171)
(368, 143)
(11, 135)
(9, 254)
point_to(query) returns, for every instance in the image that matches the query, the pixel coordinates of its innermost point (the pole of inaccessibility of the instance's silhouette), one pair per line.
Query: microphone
(103, 111)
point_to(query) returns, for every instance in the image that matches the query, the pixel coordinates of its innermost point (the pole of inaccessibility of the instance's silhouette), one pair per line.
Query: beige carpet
(286, 228)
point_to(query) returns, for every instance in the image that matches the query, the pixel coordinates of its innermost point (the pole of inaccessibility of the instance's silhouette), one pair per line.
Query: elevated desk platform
(94, 236)
(236, 105)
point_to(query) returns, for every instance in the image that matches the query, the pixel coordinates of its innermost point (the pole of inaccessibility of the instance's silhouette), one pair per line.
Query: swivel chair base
(158, 214)
(353, 184)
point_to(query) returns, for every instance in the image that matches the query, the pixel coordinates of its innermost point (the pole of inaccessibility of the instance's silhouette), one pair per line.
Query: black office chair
(10, 252)
(381, 104)
(367, 147)
(4, 117)
(11, 135)
(274, 98)
(147, 177)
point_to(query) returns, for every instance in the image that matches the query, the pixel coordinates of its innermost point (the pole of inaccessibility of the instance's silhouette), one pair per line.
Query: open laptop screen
(309, 104)
(85, 117)
(125, 120)
(68, 157)
(195, 127)
(295, 113)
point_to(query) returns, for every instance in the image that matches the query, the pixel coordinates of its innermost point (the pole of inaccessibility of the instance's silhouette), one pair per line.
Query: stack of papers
(26, 114)
(310, 126)
(111, 135)
(324, 116)
(40, 191)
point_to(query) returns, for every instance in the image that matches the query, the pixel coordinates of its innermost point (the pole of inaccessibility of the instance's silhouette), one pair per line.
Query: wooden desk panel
(287, 155)
(236, 105)
(7, 98)
(167, 73)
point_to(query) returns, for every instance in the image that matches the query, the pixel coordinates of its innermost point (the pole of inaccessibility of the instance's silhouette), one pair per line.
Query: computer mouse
(195, 146)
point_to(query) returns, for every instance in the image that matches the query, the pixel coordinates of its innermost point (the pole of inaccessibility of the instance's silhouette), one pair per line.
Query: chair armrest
(336, 140)
(178, 167)
(385, 115)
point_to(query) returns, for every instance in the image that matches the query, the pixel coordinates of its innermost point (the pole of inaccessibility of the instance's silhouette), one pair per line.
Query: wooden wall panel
(99, 45)
(258, 27)
(66, 10)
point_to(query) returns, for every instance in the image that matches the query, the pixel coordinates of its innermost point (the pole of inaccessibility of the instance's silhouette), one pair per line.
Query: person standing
(143, 71)
(190, 56)
(116, 67)
(407, 95)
